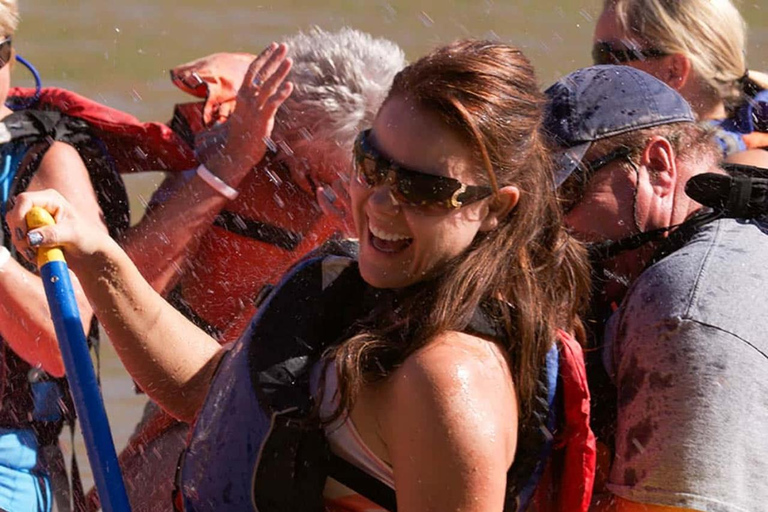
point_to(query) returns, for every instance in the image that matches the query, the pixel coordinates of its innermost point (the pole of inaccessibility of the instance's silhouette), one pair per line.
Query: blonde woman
(697, 47)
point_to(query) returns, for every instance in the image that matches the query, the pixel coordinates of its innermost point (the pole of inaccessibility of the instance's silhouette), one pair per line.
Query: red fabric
(216, 78)
(579, 440)
(570, 475)
(137, 146)
(134, 146)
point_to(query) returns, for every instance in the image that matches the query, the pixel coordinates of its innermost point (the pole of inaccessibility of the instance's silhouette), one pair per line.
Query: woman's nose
(383, 199)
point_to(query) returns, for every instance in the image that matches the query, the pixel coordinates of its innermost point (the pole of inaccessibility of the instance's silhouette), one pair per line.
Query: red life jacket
(268, 237)
(132, 145)
(568, 480)
(137, 146)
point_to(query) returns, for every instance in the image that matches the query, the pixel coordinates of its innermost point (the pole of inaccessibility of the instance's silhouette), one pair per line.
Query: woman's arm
(162, 241)
(170, 358)
(25, 321)
(450, 426)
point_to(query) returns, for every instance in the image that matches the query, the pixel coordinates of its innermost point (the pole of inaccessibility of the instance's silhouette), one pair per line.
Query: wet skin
(401, 244)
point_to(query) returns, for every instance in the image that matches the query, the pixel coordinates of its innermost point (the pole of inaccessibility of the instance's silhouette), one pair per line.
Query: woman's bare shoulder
(452, 354)
(449, 424)
(463, 379)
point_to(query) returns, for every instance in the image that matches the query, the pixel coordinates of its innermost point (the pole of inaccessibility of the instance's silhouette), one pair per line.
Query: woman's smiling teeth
(388, 242)
(380, 233)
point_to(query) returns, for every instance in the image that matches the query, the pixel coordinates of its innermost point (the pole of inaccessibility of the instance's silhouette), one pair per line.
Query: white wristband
(217, 183)
(5, 255)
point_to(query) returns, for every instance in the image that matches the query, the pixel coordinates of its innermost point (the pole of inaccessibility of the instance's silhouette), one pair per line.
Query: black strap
(683, 234)
(742, 195)
(362, 483)
(256, 230)
(739, 195)
(176, 298)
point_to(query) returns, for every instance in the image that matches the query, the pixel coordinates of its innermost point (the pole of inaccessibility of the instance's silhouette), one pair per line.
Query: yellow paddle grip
(38, 217)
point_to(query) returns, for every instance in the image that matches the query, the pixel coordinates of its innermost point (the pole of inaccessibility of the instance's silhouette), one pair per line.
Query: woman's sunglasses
(422, 190)
(5, 52)
(605, 53)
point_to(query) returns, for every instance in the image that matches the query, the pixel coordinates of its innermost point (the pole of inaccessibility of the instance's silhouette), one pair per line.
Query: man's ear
(500, 206)
(659, 158)
(678, 71)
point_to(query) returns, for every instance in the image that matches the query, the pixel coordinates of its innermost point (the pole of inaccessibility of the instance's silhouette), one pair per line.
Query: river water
(119, 53)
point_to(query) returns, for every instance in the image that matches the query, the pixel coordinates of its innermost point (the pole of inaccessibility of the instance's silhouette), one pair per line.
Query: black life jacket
(253, 447)
(30, 397)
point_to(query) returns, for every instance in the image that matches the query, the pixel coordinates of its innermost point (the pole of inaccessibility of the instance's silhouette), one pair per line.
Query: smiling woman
(119, 53)
(404, 238)
(432, 356)
(466, 118)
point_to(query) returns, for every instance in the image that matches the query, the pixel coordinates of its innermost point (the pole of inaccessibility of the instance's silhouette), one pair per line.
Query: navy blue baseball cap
(602, 101)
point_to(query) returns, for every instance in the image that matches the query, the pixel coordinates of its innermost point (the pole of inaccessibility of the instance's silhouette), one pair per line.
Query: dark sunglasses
(598, 163)
(422, 190)
(575, 187)
(5, 51)
(605, 53)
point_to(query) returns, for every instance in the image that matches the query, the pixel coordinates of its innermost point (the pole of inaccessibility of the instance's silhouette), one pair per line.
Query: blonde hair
(9, 17)
(711, 33)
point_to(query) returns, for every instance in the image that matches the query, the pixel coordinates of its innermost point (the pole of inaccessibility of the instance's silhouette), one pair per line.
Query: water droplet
(274, 178)
(286, 148)
(270, 144)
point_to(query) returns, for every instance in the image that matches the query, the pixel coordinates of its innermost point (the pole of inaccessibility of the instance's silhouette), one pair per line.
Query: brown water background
(119, 53)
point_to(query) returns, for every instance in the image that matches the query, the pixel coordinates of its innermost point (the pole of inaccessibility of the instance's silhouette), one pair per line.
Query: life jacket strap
(361, 482)
(257, 230)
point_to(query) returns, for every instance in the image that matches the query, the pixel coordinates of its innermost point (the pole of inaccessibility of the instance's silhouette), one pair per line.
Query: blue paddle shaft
(85, 389)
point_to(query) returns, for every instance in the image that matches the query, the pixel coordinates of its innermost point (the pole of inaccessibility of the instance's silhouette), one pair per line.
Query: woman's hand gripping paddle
(82, 378)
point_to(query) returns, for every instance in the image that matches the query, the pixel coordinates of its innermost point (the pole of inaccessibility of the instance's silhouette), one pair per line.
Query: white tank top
(345, 441)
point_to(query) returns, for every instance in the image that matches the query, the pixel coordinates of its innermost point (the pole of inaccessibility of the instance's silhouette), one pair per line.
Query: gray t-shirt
(688, 352)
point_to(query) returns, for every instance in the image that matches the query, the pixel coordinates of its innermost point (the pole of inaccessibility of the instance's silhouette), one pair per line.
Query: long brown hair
(487, 92)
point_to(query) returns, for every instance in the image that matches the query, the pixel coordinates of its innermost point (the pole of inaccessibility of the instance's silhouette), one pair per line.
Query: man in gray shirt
(685, 346)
